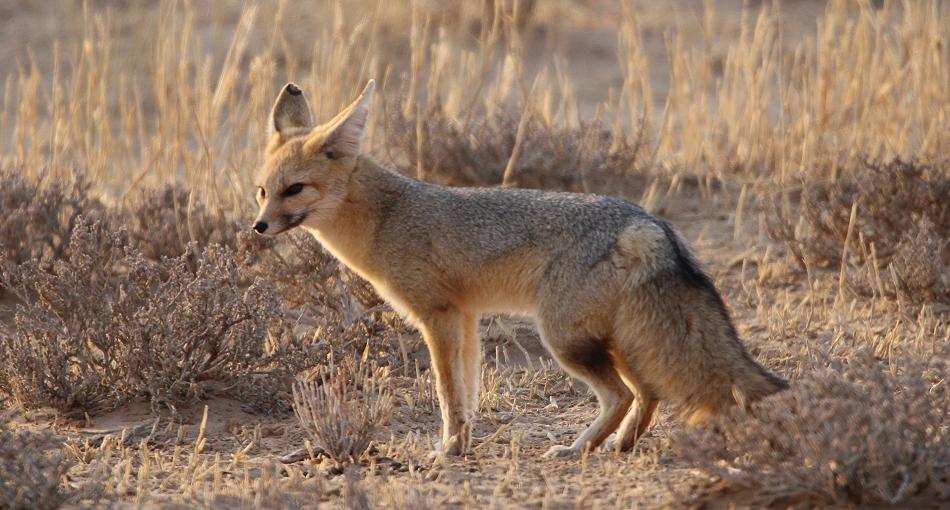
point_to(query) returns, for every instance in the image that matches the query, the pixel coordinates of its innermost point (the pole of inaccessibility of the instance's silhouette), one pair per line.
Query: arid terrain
(156, 354)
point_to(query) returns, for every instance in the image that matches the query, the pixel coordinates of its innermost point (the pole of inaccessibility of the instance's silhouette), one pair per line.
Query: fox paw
(611, 445)
(453, 449)
(560, 451)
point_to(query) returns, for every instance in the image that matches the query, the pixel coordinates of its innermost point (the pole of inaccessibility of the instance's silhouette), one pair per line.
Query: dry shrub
(901, 222)
(106, 324)
(343, 406)
(31, 469)
(919, 266)
(476, 150)
(851, 433)
(36, 221)
(312, 282)
(163, 222)
(58, 352)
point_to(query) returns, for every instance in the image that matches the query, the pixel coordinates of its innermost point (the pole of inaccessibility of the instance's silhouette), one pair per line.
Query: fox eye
(292, 190)
(260, 192)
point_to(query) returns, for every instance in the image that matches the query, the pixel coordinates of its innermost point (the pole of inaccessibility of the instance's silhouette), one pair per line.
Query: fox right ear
(291, 114)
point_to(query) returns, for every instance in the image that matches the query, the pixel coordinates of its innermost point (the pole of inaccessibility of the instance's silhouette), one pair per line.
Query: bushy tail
(751, 381)
(760, 385)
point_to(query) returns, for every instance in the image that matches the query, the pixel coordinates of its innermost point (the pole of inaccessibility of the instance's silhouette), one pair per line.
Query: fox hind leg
(590, 361)
(635, 423)
(638, 418)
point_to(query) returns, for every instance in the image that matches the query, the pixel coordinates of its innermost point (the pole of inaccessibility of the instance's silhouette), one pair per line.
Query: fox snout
(264, 227)
(272, 223)
(265, 224)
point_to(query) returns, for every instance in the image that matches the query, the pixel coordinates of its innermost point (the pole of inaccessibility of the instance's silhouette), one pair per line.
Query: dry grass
(148, 121)
(853, 433)
(343, 406)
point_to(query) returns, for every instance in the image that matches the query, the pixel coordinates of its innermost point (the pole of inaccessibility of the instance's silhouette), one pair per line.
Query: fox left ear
(343, 135)
(291, 113)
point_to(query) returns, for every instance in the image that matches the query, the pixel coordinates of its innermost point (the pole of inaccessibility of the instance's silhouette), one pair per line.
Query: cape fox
(618, 298)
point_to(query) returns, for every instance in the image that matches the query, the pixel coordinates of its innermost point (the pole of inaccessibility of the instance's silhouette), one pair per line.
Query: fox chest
(357, 264)
(395, 300)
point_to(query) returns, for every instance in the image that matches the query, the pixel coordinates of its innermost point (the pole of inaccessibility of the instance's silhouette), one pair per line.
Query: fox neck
(349, 235)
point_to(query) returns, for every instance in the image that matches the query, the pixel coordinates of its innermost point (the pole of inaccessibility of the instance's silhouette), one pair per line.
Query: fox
(618, 298)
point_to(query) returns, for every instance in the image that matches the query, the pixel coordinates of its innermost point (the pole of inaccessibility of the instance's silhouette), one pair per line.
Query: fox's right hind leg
(635, 423)
(638, 418)
(590, 361)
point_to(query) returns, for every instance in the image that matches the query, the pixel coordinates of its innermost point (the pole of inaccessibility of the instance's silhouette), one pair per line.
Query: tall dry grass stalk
(171, 108)
(769, 111)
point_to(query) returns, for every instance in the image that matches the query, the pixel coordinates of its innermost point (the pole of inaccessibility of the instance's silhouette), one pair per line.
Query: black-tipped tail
(690, 270)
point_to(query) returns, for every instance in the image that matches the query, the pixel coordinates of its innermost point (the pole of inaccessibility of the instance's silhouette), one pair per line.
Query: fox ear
(343, 135)
(291, 113)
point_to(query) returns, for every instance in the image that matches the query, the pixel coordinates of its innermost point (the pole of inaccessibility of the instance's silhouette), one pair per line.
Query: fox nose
(260, 227)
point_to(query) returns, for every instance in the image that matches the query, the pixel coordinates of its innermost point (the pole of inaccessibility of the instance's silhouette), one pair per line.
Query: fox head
(306, 168)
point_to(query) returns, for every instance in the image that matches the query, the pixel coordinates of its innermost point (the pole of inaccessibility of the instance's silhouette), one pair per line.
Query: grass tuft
(343, 406)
